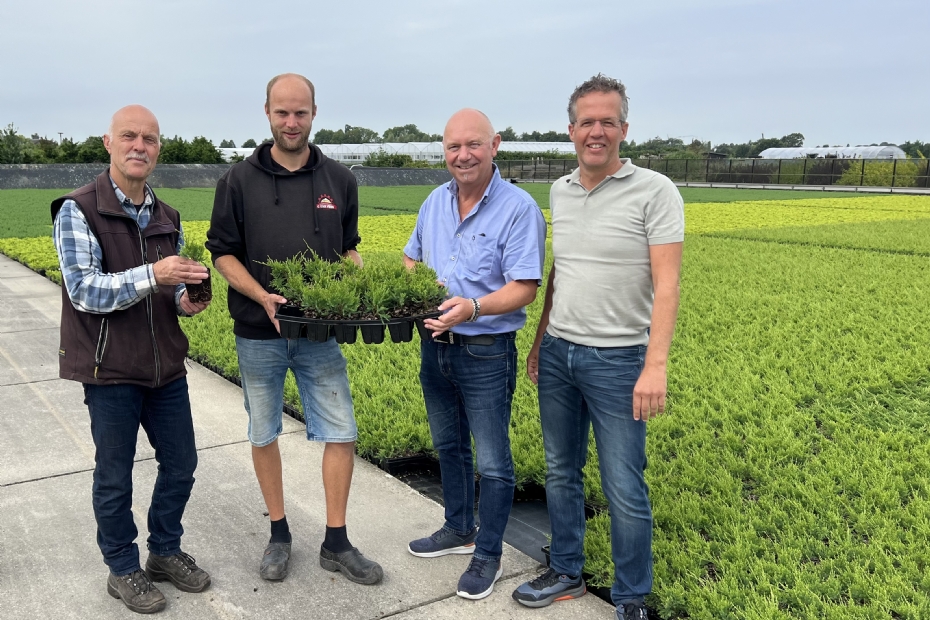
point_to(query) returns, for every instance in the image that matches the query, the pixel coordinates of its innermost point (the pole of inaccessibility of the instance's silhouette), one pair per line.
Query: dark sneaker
(355, 566)
(274, 562)
(137, 591)
(443, 542)
(180, 569)
(479, 578)
(548, 588)
(631, 611)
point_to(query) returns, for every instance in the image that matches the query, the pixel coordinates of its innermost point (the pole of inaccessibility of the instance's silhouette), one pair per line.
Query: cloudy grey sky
(838, 71)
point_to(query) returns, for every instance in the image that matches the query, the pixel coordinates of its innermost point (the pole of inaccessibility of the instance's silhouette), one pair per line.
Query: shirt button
(453, 258)
(459, 235)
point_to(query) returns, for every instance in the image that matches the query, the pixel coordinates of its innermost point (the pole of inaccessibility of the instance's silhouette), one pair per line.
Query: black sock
(280, 533)
(336, 540)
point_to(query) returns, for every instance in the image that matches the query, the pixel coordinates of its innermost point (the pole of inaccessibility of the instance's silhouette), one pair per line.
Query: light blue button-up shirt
(503, 238)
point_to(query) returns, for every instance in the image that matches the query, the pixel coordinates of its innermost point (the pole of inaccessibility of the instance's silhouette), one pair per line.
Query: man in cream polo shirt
(602, 345)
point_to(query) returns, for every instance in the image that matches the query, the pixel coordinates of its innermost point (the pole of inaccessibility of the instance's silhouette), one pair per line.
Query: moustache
(140, 156)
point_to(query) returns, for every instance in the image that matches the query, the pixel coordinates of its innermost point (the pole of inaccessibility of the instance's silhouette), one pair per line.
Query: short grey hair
(600, 83)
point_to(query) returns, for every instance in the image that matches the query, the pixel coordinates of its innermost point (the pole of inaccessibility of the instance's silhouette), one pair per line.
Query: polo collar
(627, 169)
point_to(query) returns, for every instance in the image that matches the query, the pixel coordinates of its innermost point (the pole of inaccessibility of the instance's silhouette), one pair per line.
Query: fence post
(729, 169)
(686, 171)
(778, 177)
(752, 172)
(894, 171)
(706, 170)
(804, 172)
(833, 172)
(862, 174)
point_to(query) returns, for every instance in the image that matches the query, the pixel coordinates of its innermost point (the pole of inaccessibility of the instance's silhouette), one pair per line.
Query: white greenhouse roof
(419, 151)
(842, 152)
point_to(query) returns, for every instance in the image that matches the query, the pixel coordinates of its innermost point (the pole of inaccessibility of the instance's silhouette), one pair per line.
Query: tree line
(18, 149)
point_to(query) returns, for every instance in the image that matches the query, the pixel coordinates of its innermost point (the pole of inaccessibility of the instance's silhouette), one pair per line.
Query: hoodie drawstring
(274, 185)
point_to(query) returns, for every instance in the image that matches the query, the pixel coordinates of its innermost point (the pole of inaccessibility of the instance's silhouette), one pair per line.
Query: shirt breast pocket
(480, 255)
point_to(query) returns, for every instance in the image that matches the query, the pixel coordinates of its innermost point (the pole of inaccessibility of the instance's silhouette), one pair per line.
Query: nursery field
(790, 477)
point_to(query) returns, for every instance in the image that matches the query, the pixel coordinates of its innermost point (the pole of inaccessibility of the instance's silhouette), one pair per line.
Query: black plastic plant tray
(294, 325)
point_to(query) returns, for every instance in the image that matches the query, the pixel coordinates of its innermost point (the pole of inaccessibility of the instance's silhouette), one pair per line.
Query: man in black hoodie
(287, 196)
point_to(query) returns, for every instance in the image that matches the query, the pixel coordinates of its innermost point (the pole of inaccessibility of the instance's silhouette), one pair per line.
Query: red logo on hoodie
(325, 202)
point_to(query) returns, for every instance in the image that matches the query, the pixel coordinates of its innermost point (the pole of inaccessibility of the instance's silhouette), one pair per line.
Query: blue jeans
(580, 386)
(320, 370)
(468, 390)
(116, 411)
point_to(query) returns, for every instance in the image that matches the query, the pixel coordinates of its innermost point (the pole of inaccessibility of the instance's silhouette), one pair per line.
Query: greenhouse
(430, 152)
(839, 152)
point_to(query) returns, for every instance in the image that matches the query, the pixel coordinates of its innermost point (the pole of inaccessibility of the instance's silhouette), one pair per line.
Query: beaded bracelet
(475, 312)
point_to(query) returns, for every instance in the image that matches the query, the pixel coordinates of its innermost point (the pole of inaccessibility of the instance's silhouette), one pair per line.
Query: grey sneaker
(443, 542)
(180, 569)
(548, 588)
(632, 611)
(274, 561)
(137, 592)
(479, 578)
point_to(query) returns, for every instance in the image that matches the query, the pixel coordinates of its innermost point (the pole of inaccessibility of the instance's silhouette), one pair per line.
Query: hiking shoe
(443, 542)
(180, 569)
(274, 562)
(548, 588)
(479, 578)
(355, 566)
(137, 591)
(632, 611)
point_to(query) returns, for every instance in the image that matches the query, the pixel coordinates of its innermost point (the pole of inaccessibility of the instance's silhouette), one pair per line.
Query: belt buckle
(451, 338)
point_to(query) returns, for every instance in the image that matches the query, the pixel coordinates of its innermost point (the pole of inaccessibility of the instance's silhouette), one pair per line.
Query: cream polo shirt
(600, 245)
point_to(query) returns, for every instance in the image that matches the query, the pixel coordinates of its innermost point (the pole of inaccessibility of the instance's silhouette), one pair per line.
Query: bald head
(471, 120)
(290, 79)
(132, 114)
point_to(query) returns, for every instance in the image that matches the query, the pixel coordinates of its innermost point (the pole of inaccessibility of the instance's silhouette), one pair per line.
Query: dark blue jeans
(581, 386)
(468, 391)
(116, 411)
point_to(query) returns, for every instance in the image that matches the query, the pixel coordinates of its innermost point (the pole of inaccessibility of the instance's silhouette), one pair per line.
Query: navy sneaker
(548, 588)
(632, 611)
(443, 542)
(479, 578)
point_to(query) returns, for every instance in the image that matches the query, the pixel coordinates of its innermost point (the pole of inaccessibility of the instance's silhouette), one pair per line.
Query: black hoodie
(262, 210)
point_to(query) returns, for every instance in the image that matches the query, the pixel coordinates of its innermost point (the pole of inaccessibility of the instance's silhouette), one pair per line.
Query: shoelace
(634, 612)
(477, 566)
(546, 579)
(139, 581)
(186, 562)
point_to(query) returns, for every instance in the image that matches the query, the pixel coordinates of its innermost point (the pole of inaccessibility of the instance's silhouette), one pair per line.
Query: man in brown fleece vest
(123, 290)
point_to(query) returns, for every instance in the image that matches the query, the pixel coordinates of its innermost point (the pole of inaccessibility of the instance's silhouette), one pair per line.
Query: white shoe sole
(463, 550)
(481, 595)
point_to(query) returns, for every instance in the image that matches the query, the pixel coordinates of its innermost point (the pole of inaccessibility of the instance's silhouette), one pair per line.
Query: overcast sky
(836, 71)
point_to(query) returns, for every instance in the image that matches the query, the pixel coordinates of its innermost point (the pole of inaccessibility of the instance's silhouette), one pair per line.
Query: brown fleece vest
(142, 344)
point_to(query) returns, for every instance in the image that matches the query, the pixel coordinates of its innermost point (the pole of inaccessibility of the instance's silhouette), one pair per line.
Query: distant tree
(92, 151)
(227, 144)
(918, 149)
(49, 149)
(67, 152)
(249, 144)
(549, 136)
(12, 146)
(349, 135)
(173, 150)
(202, 151)
(409, 133)
(235, 158)
(508, 135)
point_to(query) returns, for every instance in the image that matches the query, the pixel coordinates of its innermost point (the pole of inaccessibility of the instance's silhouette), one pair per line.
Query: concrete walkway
(50, 566)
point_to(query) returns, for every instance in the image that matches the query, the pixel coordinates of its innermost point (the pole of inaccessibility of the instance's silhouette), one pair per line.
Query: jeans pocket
(546, 341)
(485, 351)
(626, 360)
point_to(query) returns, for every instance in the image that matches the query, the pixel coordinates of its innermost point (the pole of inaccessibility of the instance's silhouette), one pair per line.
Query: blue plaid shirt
(81, 258)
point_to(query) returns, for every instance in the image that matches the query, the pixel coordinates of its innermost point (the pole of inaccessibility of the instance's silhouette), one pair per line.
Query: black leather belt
(450, 338)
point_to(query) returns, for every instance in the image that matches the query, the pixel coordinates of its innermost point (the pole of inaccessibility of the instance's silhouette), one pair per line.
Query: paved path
(50, 566)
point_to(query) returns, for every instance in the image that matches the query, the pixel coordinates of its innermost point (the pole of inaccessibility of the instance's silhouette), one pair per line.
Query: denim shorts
(320, 370)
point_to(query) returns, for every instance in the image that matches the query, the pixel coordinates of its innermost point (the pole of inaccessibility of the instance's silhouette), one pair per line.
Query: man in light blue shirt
(486, 240)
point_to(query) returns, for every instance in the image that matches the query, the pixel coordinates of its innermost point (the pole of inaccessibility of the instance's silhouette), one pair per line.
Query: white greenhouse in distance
(430, 152)
(840, 152)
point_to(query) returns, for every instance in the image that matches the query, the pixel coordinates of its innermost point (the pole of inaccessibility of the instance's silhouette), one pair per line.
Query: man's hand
(532, 364)
(649, 393)
(191, 308)
(459, 309)
(175, 270)
(271, 303)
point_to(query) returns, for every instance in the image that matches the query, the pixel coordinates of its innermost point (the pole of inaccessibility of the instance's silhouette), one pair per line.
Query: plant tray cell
(295, 325)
